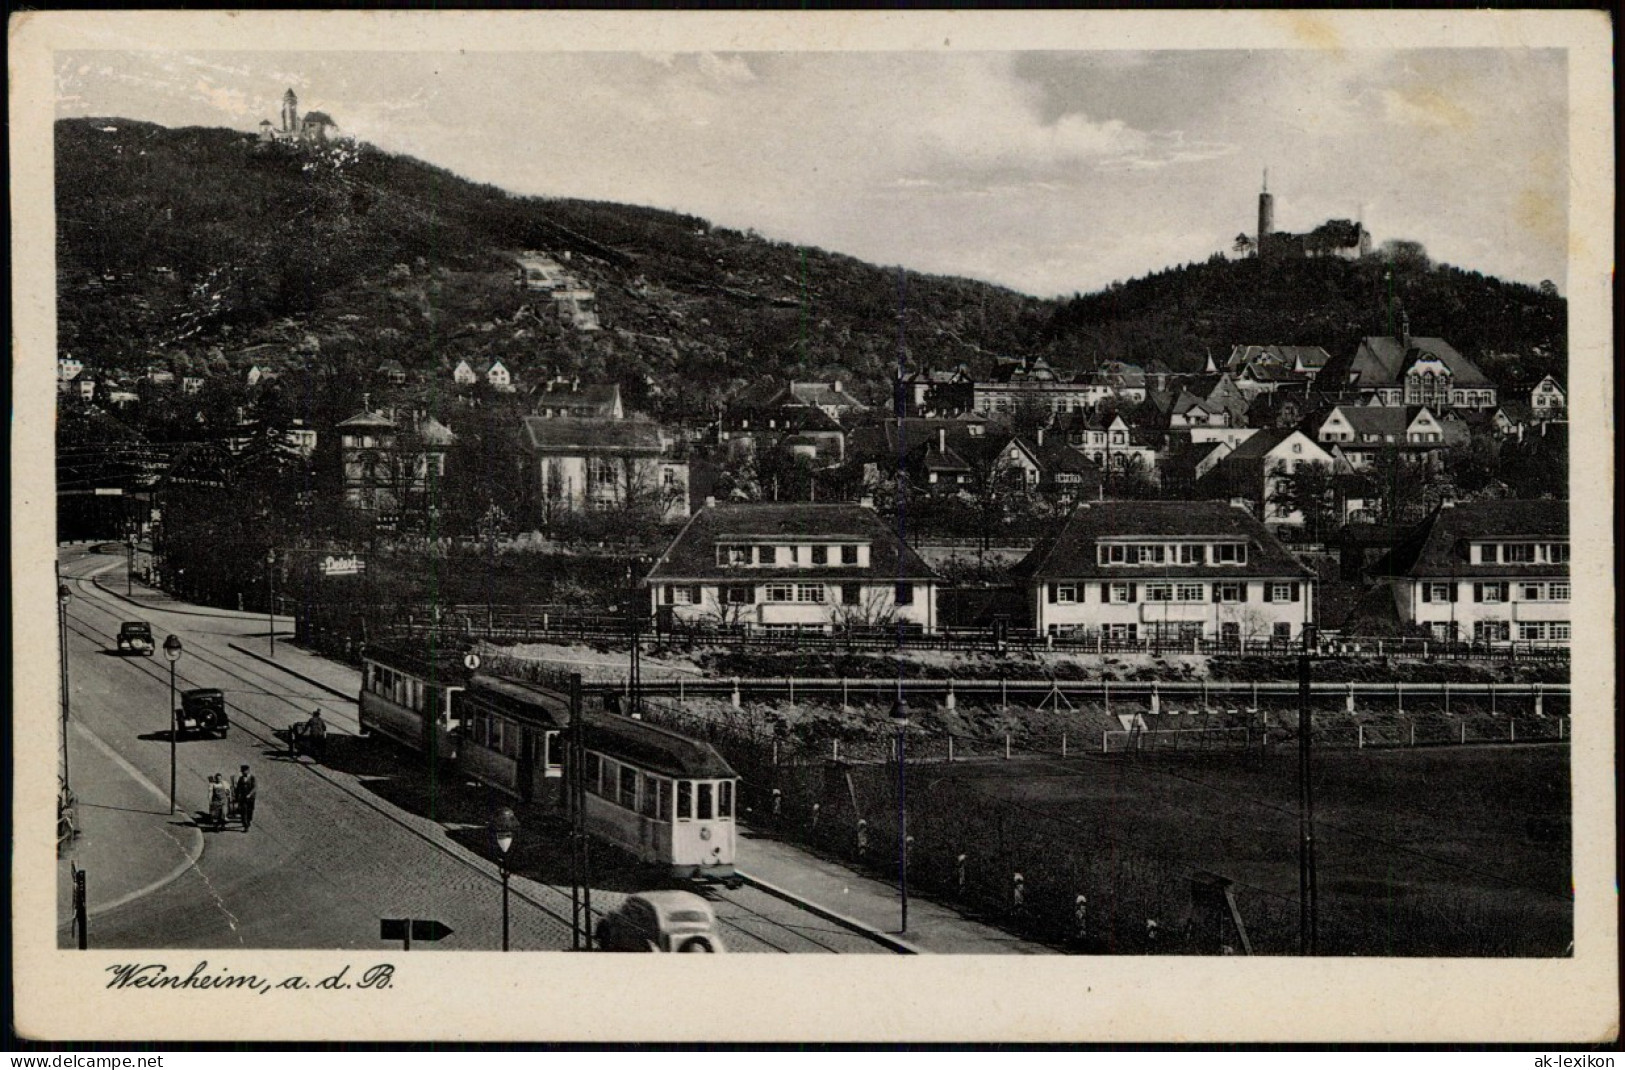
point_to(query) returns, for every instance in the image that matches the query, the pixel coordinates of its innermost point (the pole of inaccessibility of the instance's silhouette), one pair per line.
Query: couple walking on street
(234, 800)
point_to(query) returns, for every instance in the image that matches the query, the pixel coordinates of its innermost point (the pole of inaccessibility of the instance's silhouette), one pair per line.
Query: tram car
(408, 696)
(664, 798)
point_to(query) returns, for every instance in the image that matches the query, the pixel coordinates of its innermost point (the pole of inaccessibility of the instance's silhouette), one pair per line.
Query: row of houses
(1170, 572)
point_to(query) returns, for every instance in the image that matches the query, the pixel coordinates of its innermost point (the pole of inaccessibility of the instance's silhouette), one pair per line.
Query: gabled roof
(693, 554)
(824, 394)
(1381, 420)
(319, 117)
(435, 433)
(1519, 412)
(1073, 552)
(596, 395)
(562, 434)
(1382, 360)
(1452, 528)
(369, 419)
(1056, 456)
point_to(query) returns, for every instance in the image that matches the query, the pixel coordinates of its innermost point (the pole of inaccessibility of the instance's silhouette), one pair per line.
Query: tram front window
(685, 800)
(725, 799)
(705, 802)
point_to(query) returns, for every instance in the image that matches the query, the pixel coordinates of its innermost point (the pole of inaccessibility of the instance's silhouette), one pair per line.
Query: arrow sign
(408, 929)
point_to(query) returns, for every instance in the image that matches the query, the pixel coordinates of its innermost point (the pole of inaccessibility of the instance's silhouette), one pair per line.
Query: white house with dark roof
(1489, 572)
(464, 374)
(1258, 469)
(1548, 400)
(571, 397)
(1168, 572)
(1360, 434)
(574, 463)
(788, 566)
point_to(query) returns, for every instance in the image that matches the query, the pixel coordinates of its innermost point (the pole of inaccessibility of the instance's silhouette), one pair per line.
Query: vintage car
(203, 710)
(661, 921)
(135, 637)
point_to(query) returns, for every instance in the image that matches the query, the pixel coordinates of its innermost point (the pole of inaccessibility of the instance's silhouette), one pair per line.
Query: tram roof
(657, 749)
(418, 659)
(531, 702)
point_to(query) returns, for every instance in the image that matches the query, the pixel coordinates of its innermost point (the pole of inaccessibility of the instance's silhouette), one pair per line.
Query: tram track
(262, 682)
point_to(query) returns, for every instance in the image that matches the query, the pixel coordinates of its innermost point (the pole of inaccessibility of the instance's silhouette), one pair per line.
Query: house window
(1439, 592)
(1557, 553)
(1531, 592)
(1066, 592)
(810, 592)
(1230, 553)
(737, 596)
(849, 555)
(1190, 592)
(1193, 555)
(1558, 629)
(733, 555)
(820, 555)
(1492, 592)
(682, 595)
(781, 592)
(767, 555)
(1518, 553)
(1281, 631)
(1532, 630)
(851, 594)
(1491, 631)
(1149, 555)
(1280, 592)
(1229, 592)
(1557, 592)
(1120, 632)
(905, 594)
(1159, 592)
(1122, 592)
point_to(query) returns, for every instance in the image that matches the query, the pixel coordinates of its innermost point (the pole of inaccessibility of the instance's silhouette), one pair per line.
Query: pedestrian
(959, 875)
(244, 790)
(863, 839)
(1080, 920)
(316, 732)
(1018, 895)
(219, 798)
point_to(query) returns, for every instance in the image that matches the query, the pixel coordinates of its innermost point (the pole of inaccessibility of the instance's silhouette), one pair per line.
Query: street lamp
(270, 571)
(63, 597)
(899, 718)
(172, 651)
(129, 569)
(504, 826)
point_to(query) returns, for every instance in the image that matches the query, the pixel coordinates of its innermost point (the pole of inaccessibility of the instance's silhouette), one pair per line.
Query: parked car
(135, 637)
(202, 709)
(661, 921)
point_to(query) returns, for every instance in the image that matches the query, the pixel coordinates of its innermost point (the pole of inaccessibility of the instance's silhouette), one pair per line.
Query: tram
(408, 696)
(664, 798)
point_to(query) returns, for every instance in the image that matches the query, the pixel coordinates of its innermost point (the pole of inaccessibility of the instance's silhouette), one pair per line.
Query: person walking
(219, 798)
(316, 733)
(244, 790)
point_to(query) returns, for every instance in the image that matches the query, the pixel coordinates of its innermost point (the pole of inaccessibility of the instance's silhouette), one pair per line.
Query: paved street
(362, 836)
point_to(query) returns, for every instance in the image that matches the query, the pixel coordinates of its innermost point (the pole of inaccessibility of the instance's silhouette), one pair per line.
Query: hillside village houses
(573, 304)
(1361, 435)
(1548, 400)
(1402, 370)
(1489, 572)
(379, 470)
(1255, 472)
(1168, 572)
(570, 397)
(785, 567)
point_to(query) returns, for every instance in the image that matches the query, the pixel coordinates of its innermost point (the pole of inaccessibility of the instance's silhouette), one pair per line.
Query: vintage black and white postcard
(1027, 527)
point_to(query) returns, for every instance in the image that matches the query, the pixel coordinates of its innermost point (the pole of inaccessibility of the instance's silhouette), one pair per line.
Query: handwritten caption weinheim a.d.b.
(203, 977)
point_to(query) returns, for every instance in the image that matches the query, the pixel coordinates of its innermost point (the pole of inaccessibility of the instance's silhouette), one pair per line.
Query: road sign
(471, 661)
(343, 566)
(409, 929)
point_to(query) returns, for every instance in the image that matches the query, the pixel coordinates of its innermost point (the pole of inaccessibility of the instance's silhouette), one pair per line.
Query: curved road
(334, 847)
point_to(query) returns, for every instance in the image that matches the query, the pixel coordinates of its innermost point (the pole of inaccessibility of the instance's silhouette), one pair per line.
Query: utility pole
(1307, 913)
(576, 791)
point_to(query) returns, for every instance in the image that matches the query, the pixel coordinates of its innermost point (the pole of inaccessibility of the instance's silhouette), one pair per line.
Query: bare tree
(873, 609)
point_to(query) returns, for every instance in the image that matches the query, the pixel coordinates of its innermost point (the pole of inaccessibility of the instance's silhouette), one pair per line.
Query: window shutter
(1052, 594)
(1478, 592)
(1105, 593)
(750, 595)
(1297, 592)
(668, 594)
(1244, 585)
(1427, 592)
(697, 595)
(1452, 591)
(1133, 592)
(1268, 594)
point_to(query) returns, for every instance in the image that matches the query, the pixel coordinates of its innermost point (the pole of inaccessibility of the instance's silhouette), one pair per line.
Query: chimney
(366, 402)
(837, 386)
(1404, 330)
(942, 440)
(1040, 436)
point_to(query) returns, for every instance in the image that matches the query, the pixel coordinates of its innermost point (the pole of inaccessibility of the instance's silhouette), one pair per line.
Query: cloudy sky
(1049, 172)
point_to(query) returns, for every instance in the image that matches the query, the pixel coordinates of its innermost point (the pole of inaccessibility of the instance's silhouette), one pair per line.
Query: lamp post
(504, 826)
(270, 572)
(63, 597)
(899, 718)
(172, 651)
(129, 568)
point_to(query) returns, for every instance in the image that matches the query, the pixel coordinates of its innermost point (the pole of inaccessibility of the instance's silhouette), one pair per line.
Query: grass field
(1454, 851)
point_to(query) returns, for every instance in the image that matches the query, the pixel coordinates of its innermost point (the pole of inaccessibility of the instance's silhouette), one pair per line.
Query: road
(334, 847)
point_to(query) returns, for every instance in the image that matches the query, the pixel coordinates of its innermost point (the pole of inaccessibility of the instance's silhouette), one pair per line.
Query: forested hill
(213, 244)
(1516, 332)
(194, 242)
